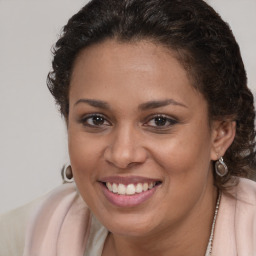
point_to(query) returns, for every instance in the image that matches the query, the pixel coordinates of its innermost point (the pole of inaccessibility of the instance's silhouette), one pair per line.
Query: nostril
(132, 164)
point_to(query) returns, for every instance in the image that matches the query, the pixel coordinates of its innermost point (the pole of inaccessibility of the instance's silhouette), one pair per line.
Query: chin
(130, 224)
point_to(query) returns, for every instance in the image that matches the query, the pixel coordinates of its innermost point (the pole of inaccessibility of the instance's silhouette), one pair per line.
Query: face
(139, 138)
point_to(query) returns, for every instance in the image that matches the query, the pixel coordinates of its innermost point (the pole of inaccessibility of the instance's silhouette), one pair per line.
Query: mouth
(130, 189)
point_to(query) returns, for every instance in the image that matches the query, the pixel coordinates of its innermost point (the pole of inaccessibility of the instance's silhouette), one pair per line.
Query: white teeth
(114, 188)
(145, 186)
(129, 189)
(121, 189)
(109, 186)
(139, 188)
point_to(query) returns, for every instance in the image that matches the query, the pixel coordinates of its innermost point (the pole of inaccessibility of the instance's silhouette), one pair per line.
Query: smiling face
(137, 126)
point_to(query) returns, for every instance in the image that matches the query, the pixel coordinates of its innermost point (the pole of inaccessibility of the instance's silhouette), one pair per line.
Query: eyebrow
(94, 103)
(160, 103)
(144, 106)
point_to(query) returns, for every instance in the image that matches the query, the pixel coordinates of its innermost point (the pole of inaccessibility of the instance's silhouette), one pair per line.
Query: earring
(221, 168)
(67, 174)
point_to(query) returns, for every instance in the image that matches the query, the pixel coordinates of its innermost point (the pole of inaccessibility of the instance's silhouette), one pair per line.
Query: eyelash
(87, 121)
(170, 121)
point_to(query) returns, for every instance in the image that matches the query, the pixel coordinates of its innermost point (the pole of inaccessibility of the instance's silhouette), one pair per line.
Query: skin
(128, 141)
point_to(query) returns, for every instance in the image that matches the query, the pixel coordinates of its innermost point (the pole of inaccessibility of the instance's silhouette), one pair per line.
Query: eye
(161, 121)
(95, 120)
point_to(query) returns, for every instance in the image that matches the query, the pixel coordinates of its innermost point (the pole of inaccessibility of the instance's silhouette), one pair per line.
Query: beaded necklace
(209, 247)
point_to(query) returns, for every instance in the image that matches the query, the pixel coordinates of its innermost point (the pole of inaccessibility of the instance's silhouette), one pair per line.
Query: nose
(125, 149)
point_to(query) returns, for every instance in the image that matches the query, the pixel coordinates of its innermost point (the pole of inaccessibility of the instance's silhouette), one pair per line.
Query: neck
(188, 237)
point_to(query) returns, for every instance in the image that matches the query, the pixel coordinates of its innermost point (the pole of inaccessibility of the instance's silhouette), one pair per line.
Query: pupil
(160, 121)
(98, 120)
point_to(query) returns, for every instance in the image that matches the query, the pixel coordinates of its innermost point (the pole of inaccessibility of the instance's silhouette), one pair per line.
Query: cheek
(84, 158)
(83, 152)
(185, 153)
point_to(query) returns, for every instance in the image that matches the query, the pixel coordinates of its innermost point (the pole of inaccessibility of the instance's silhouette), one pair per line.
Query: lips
(128, 191)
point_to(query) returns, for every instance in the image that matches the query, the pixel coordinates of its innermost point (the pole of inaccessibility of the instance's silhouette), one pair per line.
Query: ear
(223, 134)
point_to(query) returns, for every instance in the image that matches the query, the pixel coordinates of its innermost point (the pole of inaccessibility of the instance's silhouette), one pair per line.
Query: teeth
(151, 185)
(145, 186)
(114, 188)
(139, 188)
(130, 189)
(121, 189)
(109, 186)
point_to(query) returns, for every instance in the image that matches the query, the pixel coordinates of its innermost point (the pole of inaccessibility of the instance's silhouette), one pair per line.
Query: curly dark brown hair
(204, 44)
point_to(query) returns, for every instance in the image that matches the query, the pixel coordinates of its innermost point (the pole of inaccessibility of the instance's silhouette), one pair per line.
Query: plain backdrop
(33, 140)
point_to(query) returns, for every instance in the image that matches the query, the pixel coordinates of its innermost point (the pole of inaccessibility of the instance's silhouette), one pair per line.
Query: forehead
(141, 70)
(141, 56)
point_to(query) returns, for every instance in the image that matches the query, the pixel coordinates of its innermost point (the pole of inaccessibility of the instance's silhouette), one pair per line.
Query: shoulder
(242, 196)
(13, 225)
(246, 205)
(246, 192)
(243, 215)
(235, 230)
(241, 190)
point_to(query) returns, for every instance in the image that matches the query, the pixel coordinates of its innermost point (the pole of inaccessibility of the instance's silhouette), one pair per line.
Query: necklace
(209, 247)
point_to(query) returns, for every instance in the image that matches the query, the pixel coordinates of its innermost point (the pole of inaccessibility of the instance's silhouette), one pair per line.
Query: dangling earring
(221, 168)
(67, 174)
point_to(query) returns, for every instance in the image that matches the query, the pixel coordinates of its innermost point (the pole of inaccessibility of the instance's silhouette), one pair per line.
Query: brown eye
(161, 121)
(95, 120)
(98, 120)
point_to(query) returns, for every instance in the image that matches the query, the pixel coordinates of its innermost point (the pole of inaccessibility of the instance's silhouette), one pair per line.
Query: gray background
(33, 141)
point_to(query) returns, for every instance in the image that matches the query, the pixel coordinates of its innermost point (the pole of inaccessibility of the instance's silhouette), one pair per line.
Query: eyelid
(91, 115)
(160, 115)
(172, 120)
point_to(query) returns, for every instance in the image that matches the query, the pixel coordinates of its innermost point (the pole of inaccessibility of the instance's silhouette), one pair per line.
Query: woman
(160, 122)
